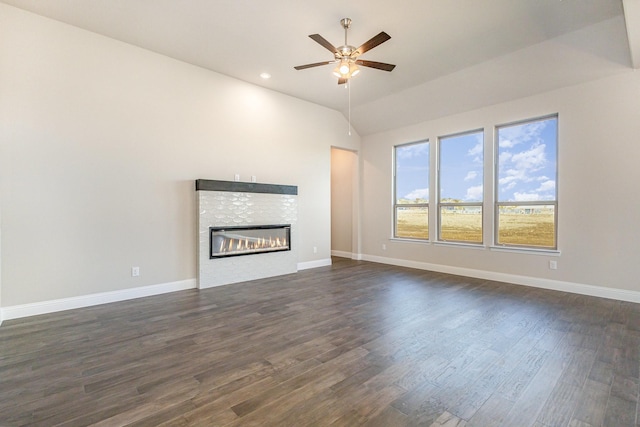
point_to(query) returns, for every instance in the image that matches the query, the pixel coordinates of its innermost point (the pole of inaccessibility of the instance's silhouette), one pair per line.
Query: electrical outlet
(236, 177)
(553, 265)
(315, 249)
(384, 247)
(135, 271)
(253, 178)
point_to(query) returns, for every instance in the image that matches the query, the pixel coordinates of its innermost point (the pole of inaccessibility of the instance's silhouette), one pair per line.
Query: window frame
(440, 204)
(498, 204)
(396, 205)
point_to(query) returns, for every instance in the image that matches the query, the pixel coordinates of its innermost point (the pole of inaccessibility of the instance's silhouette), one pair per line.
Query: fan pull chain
(349, 89)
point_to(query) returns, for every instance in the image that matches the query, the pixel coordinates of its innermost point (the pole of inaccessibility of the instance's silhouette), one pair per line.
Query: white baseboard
(314, 264)
(341, 254)
(556, 285)
(33, 309)
(44, 307)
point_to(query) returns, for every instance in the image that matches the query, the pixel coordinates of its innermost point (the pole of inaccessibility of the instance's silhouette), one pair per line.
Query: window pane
(527, 161)
(461, 223)
(461, 165)
(412, 173)
(461, 181)
(412, 222)
(527, 225)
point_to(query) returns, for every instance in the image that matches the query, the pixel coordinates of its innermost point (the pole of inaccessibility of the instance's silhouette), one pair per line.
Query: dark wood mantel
(244, 187)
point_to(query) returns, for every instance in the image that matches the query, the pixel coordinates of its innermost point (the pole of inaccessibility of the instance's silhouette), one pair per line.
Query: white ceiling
(451, 55)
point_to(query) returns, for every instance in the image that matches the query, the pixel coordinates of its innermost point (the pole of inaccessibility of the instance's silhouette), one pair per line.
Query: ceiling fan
(346, 56)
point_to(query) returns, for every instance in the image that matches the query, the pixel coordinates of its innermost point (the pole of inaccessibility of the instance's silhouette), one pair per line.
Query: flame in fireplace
(248, 244)
(232, 241)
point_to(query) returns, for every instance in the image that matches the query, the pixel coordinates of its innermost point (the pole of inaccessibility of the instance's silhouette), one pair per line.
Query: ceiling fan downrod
(346, 24)
(344, 52)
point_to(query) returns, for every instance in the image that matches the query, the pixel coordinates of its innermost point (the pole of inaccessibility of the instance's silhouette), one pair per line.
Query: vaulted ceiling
(451, 56)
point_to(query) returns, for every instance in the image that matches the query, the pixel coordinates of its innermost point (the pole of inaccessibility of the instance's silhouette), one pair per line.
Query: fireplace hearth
(244, 240)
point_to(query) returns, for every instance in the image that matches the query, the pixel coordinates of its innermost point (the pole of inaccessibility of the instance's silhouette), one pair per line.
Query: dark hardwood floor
(354, 344)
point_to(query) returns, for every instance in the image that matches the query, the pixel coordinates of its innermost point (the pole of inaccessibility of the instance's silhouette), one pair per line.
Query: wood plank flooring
(354, 344)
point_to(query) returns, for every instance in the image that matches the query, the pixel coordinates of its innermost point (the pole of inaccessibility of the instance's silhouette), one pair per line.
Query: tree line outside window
(525, 191)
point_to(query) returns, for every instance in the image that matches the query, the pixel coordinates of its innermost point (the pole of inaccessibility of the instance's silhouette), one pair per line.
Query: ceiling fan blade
(342, 81)
(373, 42)
(373, 64)
(317, 64)
(324, 43)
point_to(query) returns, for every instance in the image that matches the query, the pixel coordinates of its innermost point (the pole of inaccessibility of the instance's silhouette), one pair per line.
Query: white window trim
(439, 202)
(498, 203)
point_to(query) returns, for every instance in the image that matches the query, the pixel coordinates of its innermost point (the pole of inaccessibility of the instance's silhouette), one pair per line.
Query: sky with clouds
(526, 165)
(527, 161)
(461, 165)
(412, 171)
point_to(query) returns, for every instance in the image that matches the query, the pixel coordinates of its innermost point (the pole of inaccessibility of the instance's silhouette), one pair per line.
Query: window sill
(517, 250)
(532, 251)
(406, 240)
(461, 245)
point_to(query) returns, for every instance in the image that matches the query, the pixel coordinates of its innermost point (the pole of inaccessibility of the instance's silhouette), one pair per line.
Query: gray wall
(598, 230)
(100, 145)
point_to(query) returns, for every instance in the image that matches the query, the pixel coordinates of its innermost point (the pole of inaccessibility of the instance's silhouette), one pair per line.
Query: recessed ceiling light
(265, 75)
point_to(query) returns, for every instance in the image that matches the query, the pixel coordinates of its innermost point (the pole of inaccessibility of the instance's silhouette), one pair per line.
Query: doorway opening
(345, 241)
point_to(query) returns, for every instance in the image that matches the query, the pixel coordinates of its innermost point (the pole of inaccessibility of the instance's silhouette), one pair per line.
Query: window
(411, 201)
(461, 194)
(526, 194)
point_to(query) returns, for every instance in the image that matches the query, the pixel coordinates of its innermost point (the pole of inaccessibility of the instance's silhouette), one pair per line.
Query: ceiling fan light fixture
(343, 69)
(346, 70)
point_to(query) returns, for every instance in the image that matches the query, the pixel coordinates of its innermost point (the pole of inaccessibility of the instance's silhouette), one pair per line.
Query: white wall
(599, 232)
(100, 144)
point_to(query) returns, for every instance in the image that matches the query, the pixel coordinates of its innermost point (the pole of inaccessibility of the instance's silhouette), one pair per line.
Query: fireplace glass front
(247, 240)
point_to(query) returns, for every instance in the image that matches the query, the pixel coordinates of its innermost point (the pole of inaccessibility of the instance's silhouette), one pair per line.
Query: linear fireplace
(245, 218)
(248, 240)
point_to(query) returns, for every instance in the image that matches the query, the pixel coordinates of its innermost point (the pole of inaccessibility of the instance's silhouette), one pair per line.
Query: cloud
(515, 176)
(413, 150)
(549, 185)
(419, 193)
(471, 175)
(511, 136)
(507, 143)
(476, 149)
(526, 197)
(521, 167)
(474, 193)
(504, 157)
(532, 159)
(507, 179)
(522, 161)
(508, 182)
(510, 185)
